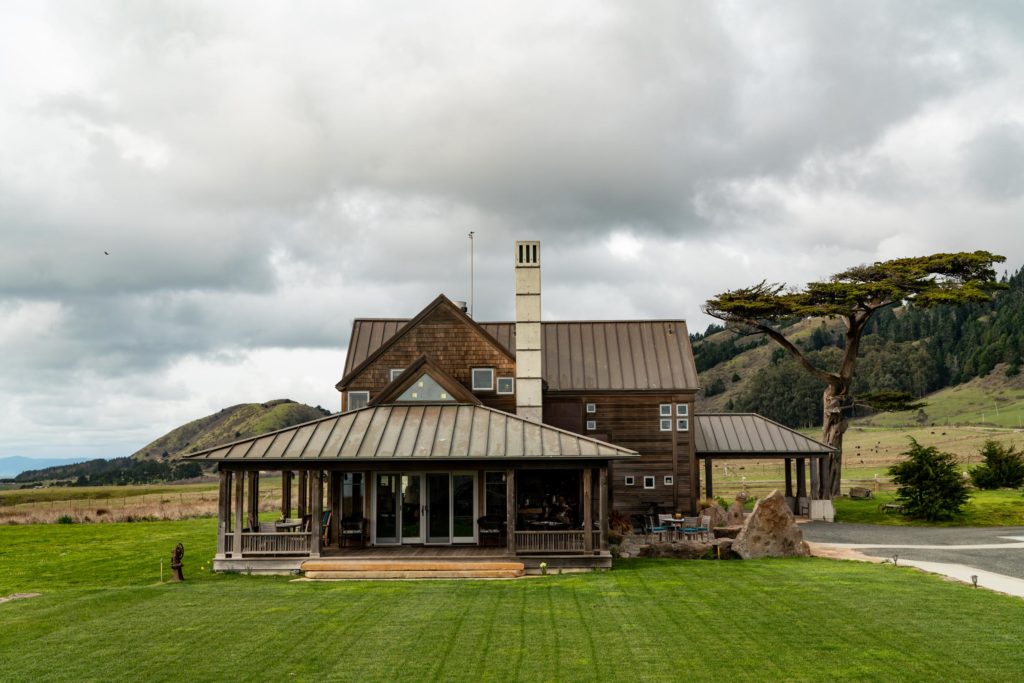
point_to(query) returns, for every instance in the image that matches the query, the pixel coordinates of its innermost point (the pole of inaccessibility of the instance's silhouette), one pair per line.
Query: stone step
(367, 565)
(416, 574)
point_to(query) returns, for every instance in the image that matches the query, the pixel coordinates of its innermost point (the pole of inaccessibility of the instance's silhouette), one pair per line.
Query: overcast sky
(261, 173)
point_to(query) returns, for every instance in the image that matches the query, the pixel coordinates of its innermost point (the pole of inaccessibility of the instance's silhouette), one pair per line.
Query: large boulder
(770, 531)
(717, 513)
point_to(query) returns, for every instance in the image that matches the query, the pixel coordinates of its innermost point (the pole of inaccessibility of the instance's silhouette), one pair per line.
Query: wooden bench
(890, 507)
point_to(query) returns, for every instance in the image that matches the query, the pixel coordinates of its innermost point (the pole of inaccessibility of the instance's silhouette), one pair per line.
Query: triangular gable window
(426, 388)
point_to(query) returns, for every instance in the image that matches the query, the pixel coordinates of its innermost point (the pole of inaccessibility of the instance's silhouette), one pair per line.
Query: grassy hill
(228, 424)
(994, 400)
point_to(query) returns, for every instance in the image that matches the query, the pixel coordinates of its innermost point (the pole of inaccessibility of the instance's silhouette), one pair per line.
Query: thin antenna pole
(471, 273)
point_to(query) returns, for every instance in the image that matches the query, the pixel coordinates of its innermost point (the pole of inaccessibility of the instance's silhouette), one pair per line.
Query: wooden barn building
(520, 437)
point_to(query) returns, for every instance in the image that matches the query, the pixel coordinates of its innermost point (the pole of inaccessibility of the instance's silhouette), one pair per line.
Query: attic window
(506, 385)
(483, 379)
(426, 388)
(358, 399)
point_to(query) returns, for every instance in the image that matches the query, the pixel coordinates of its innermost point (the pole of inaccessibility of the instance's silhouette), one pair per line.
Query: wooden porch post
(602, 503)
(254, 501)
(788, 463)
(335, 507)
(223, 492)
(510, 509)
(316, 480)
(588, 512)
(709, 493)
(814, 477)
(286, 494)
(236, 552)
(801, 479)
(303, 494)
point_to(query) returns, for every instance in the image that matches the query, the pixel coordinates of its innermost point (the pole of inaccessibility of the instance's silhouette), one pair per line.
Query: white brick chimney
(529, 402)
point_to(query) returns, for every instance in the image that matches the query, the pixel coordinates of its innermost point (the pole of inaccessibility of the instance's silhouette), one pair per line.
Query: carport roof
(748, 435)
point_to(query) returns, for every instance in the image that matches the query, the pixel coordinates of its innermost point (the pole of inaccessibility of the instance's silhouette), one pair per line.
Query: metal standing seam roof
(414, 432)
(751, 435)
(586, 355)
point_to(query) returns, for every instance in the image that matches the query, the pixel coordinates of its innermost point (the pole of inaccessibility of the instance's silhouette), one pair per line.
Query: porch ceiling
(415, 432)
(751, 436)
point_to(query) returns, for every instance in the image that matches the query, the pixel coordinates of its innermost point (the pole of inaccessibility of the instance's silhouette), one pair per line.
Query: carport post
(709, 494)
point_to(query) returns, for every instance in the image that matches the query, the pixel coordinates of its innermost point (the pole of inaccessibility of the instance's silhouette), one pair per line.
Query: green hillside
(994, 400)
(228, 424)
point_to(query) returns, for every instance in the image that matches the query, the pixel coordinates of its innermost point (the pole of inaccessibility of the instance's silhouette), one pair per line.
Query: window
(666, 409)
(591, 425)
(666, 425)
(630, 480)
(648, 482)
(494, 494)
(682, 424)
(425, 388)
(394, 372)
(668, 480)
(358, 399)
(483, 379)
(506, 385)
(591, 408)
(682, 410)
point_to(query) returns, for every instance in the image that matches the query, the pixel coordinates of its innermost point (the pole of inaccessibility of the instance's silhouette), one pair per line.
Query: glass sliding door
(463, 507)
(412, 506)
(386, 519)
(439, 508)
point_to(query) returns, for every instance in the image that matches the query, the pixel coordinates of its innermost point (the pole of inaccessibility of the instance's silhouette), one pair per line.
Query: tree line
(115, 471)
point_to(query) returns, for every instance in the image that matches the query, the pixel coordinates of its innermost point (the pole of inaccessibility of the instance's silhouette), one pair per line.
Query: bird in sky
(106, 253)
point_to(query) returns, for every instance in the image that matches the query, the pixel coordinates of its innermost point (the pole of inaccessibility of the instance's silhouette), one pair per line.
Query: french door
(436, 508)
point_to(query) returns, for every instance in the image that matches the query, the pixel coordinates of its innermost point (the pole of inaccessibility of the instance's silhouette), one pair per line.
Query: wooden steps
(411, 569)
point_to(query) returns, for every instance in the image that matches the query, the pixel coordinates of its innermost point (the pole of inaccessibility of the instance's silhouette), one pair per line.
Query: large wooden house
(523, 434)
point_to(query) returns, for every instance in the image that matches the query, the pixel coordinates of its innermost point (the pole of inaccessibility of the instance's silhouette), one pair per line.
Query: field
(1002, 507)
(103, 614)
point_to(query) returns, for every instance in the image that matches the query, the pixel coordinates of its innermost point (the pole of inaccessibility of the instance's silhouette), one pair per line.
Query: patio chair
(491, 529)
(325, 527)
(353, 532)
(651, 528)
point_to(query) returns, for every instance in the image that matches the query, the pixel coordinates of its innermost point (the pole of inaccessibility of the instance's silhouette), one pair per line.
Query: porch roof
(385, 433)
(748, 435)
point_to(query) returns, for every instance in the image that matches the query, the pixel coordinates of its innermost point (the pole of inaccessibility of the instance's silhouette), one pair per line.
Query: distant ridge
(228, 424)
(12, 466)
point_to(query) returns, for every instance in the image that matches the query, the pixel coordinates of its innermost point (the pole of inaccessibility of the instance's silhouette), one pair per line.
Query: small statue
(176, 555)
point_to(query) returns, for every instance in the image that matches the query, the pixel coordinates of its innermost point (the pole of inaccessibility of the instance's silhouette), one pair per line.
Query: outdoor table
(287, 526)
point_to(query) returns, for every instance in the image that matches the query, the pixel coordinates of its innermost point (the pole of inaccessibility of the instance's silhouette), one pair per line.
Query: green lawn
(104, 616)
(1003, 507)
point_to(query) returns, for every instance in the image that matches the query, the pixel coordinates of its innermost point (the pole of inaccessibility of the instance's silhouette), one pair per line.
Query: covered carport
(748, 436)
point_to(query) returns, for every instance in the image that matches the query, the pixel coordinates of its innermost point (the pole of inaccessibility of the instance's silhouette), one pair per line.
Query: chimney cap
(527, 253)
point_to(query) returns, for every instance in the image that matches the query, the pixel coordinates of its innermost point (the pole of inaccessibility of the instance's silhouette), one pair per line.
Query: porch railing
(256, 543)
(554, 541)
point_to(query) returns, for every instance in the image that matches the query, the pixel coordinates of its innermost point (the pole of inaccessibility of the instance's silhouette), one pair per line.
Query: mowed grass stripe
(646, 620)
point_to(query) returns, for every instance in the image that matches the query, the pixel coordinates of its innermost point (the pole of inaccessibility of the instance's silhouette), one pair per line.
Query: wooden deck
(418, 552)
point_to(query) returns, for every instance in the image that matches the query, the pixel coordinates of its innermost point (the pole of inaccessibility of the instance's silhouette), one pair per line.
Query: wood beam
(317, 490)
(588, 512)
(801, 479)
(602, 505)
(254, 501)
(788, 464)
(222, 522)
(303, 494)
(335, 508)
(236, 552)
(511, 510)
(286, 494)
(708, 491)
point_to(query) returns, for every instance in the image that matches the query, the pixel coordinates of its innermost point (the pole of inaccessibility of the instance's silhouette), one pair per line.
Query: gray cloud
(259, 176)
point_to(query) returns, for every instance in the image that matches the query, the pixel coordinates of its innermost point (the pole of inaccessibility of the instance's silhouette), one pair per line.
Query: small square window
(630, 480)
(666, 425)
(483, 379)
(393, 373)
(648, 482)
(506, 385)
(591, 425)
(591, 408)
(668, 480)
(666, 409)
(683, 424)
(358, 399)
(682, 410)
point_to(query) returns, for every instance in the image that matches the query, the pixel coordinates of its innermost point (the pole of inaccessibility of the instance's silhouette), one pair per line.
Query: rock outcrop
(770, 531)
